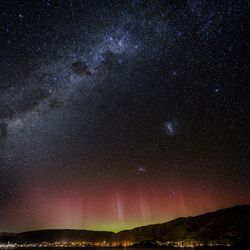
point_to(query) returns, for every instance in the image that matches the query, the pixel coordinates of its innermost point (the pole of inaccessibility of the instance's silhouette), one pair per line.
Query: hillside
(226, 223)
(231, 223)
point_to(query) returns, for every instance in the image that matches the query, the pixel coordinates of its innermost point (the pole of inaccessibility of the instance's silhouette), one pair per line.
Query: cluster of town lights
(182, 244)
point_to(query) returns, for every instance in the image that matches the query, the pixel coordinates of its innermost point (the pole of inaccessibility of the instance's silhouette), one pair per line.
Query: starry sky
(116, 114)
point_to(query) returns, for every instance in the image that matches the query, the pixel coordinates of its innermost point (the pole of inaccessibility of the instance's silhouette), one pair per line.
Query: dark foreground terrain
(222, 226)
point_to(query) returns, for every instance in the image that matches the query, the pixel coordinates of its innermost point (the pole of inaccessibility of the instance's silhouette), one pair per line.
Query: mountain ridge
(228, 223)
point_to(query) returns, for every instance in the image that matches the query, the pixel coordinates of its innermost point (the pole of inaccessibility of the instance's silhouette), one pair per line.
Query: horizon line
(116, 232)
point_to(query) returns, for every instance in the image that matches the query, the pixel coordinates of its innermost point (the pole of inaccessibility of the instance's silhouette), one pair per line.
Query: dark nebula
(80, 68)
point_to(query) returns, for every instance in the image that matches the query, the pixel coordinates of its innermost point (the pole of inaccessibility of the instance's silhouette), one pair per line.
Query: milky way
(120, 114)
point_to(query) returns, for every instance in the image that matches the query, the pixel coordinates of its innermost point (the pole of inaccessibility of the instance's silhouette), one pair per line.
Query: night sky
(116, 114)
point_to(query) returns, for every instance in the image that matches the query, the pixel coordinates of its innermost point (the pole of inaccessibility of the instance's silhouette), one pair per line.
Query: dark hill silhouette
(230, 223)
(59, 235)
